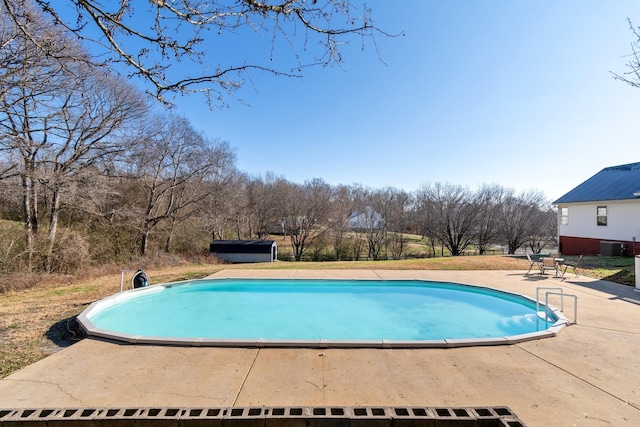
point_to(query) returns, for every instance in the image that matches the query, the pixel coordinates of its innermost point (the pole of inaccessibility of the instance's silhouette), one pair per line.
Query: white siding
(623, 220)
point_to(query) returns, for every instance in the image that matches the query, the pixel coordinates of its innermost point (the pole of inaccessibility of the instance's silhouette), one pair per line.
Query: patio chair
(532, 262)
(570, 264)
(548, 264)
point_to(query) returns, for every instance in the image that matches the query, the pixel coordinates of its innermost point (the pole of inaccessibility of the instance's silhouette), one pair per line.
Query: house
(602, 215)
(239, 251)
(367, 220)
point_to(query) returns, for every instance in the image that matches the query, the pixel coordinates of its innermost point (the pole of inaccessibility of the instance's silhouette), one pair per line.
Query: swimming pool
(319, 313)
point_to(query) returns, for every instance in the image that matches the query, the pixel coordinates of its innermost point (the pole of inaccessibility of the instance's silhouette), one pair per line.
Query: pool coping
(87, 325)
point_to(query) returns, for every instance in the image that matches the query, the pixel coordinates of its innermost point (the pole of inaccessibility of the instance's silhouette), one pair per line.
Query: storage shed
(238, 251)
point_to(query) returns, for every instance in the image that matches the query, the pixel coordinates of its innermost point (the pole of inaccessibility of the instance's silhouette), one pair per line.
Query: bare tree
(544, 231)
(102, 205)
(58, 118)
(27, 96)
(370, 219)
(382, 218)
(147, 39)
(341, 206)
(236, 198)
(425, 216)
(95, 113)
(397, 221)
(488, 200)
(452, 215)
(632, 76)
(172, 166)
(214, 177)
(226, 197)
(517, 217)
(356, 239)
(305, 212)
(262, 204)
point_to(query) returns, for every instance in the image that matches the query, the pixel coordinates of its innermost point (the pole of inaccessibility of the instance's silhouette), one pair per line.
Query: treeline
(93, 175)
(113, 216)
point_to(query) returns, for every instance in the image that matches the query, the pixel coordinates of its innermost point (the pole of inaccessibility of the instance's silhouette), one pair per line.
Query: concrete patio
(589, 375)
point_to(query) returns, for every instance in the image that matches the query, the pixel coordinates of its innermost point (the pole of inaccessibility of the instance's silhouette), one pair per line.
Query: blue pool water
(335, 310)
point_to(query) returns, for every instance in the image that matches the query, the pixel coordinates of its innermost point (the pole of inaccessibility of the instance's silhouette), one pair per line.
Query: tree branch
(150, 38)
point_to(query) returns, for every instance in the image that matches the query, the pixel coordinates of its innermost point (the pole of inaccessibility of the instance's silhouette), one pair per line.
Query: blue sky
(515, 93)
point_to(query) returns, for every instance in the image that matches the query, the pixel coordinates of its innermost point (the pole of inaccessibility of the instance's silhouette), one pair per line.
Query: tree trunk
(144, 242)
(53, 227)
(28, 220)
(167, 245)
(238, 228)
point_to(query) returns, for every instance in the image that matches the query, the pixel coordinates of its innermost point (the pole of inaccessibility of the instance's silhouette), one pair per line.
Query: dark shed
(245, 250)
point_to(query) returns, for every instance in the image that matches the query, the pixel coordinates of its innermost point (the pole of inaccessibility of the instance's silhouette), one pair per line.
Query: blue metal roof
(612, 183)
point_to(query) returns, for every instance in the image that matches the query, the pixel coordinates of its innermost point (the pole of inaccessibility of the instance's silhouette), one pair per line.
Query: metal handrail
(562, 294)
(548, 289)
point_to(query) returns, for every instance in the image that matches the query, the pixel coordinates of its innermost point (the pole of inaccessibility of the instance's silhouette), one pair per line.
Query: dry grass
(447, 263)
(37, 322)
(40, 321)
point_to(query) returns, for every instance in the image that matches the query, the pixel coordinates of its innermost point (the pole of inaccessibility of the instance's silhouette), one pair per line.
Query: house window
(564, 216)
(602, 215)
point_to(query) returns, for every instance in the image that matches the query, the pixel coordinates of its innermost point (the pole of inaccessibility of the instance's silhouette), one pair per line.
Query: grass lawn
(37, 322)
